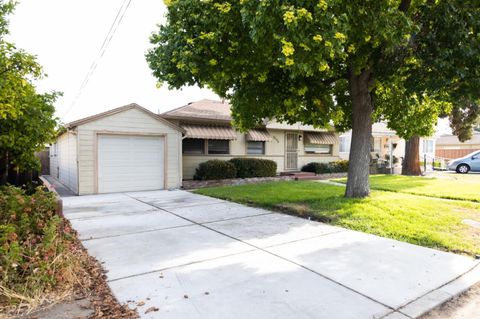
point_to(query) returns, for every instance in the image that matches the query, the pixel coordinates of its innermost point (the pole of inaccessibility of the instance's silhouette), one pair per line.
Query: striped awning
(258, 135)
(209, 132)
(320, 138)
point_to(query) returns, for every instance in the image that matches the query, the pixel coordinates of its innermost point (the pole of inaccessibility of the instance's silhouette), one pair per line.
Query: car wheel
(463, 168)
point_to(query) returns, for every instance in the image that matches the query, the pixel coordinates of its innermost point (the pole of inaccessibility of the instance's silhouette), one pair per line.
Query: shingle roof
(203, 109)
(118, 110)
(453, 140)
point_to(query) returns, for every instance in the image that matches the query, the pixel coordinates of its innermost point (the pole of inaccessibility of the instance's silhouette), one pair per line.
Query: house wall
(63, 160)
(452, 151)
(274, 150)
(132, 121)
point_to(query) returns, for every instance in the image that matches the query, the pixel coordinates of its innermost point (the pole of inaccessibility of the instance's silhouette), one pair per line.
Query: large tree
(27, 120)
(319, 62)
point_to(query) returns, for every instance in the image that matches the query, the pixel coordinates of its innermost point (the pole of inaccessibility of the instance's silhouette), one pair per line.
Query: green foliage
(254, 167)
(414, 219)
(465, 118)
(26, 117)
(292, 60)
(326, 168)
(32, 237)
(215, 169)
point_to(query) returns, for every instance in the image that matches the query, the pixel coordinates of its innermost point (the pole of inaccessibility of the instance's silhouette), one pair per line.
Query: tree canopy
(27, 120)
(325, 61)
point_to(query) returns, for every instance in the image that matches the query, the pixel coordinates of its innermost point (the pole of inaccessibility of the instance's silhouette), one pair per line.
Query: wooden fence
(451, 154)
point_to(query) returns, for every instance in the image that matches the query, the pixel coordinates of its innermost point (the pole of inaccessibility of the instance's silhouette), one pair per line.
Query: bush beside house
(326, 168)
(235, 168)
(254, 167)
(215, 169)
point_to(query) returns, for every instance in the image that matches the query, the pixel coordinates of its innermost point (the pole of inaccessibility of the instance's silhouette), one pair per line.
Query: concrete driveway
(193, 256)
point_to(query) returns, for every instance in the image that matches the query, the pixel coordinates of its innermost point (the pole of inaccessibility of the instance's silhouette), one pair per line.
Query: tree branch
(404, 5)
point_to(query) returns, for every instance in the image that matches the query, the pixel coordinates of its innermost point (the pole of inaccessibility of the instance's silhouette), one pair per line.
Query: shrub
(254, 167)
(325, 168)
(317, 168)
(32, 237)
(215, 169)
(339, 166)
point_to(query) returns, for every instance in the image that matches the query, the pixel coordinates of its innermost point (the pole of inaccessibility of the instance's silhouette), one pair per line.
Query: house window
(218, 147)
(428, 146)
(193, 146)
(376, 145)
(318, 148)
(345, 142)
(255, 148)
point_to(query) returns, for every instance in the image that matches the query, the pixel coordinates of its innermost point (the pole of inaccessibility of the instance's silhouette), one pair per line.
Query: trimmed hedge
(325, 168)
(254, 167)
(215, 169)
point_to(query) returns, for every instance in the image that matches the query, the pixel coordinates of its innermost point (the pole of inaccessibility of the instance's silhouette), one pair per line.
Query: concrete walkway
(179, 255)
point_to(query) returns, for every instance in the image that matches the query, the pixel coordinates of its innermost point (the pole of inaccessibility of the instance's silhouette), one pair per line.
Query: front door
(291, 151)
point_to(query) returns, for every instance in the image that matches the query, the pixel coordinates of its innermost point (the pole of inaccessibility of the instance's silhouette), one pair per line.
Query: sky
(66, 37)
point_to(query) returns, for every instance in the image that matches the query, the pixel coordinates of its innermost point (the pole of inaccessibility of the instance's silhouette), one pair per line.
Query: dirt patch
(465, 306)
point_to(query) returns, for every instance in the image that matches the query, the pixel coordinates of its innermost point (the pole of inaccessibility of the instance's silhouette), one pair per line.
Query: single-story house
(450, 147)
(209, 135)
(131, 149)
(125, 149)
(385, 141)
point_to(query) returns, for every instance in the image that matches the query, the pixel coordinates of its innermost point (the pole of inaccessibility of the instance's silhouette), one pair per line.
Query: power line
(103, 48)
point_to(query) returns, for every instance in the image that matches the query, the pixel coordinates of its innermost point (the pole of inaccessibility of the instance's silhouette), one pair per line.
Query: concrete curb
(441, 295)
(52, 189)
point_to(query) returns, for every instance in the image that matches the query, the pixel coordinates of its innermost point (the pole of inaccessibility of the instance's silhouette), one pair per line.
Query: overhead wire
(103, 48)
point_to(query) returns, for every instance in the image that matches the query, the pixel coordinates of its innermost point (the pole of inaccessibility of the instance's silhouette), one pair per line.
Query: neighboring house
(384, 141)
(125, 149)
(209, 135)
(449, 146)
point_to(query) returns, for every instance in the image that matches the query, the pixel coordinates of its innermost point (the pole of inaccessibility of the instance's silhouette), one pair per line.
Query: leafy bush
(32, 238)
(339, 166)
(317, 168)
(215, 169)
(254, 167)
(325, 168)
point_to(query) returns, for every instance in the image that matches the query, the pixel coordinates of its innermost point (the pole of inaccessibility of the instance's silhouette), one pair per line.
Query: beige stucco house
(209, 135)
(131, 149)
(125, 149)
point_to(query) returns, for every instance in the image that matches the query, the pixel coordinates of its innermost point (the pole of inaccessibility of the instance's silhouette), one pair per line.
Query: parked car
(468, 163)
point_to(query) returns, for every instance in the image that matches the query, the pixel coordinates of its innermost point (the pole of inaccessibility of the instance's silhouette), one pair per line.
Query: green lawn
(415, 219)
(444, 185)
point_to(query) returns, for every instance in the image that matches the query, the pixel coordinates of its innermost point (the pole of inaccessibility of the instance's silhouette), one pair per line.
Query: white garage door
(130, 163)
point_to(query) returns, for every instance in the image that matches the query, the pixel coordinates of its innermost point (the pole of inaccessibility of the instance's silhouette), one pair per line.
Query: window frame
(330, 149)
(208, 147)
(345, 141)
(193, 153)
(257, 154)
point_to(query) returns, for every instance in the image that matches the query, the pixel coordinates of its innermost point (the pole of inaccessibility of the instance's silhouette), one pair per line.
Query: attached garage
(125, 149)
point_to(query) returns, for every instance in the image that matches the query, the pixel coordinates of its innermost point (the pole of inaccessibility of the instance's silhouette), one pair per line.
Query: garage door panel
(130, 163)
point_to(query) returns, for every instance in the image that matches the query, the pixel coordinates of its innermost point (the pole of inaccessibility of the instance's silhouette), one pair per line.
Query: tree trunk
(411, 162)
(358, 185)
(4, 169)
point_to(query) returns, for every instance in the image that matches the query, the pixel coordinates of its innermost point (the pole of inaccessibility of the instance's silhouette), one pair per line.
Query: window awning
(209, 132)
(320, 138)
(258, 135)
